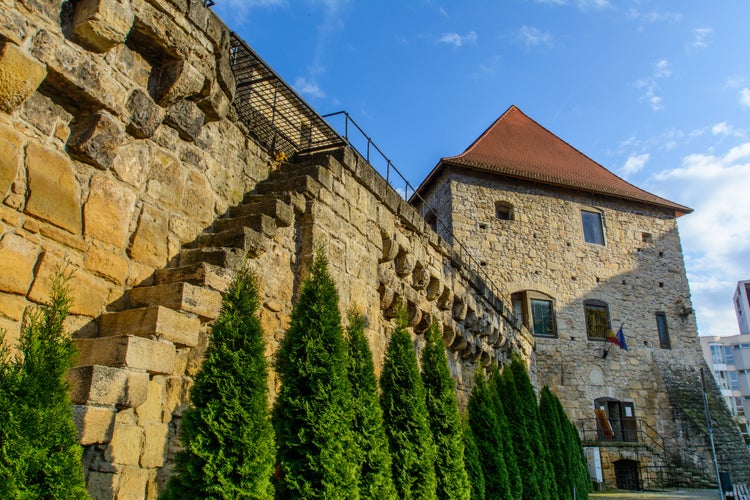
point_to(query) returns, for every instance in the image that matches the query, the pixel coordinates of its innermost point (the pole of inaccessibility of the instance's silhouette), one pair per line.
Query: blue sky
(656, 91)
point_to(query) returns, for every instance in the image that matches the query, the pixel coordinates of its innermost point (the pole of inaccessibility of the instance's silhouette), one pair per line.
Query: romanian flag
(617, 339)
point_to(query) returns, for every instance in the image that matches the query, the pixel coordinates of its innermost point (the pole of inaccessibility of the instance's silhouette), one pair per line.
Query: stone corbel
(20, 75)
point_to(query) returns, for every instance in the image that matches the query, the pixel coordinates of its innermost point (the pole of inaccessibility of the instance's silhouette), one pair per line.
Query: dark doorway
(621, 420)
(626, 475)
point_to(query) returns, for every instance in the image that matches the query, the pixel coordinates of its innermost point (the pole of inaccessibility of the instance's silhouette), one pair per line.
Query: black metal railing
(363, 145)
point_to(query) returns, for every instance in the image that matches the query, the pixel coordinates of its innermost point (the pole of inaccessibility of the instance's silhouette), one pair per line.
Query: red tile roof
(517, 146)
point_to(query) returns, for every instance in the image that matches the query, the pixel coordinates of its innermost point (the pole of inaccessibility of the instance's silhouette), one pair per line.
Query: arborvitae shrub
(405, 417)
(227, 437)
(487, 432)
(442, 410)
(373, 456)
(473, 462)
(531, 418)
(554, 433)
(39, 452)
(313, 412)
(516, 479)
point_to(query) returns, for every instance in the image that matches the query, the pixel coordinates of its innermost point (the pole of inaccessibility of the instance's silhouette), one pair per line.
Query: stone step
(261, 223)
(296, 170)
(229, 258)
(282, 212)
(178, 296)
(105, 385)
(155, 321)
(129, 351)
(200, 274)
(294, 200)
(242, 237)
(304, 184)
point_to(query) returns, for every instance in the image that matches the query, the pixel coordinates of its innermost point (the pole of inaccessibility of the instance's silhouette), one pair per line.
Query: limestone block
(104, 385)
(13, 24)
(154, 445)
(225, 75)
(102, 24)
(145, 114)
(11, 145)
(178, 296)
(125, 446)
(151, 409)
(96, 139)
(130, 351)
(20, 75)
(53, 191)
(216, 104)
(157, 321)
(106, 264)
(132, 484)
(166, 179)
(47, 116)
(185, 117)
(12, 306)
(17, 259)
(102, 485)
(12, 330)
(178, 80)
(149, 243)
(95, 424)
(198, 201)
(132, 163)
(108, 210)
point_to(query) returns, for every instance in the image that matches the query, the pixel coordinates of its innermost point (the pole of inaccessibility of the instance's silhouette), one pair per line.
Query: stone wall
(121, 157)
(638, 272)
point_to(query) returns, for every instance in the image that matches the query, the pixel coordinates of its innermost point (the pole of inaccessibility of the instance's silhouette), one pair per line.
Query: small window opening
(504, 210)
(647, 237)
(661, 327)
(593, 228)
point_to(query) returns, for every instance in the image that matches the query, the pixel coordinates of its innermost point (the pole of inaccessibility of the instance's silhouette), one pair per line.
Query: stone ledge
(128, 351)
(104, 385)
(20, 75)
(157, 321)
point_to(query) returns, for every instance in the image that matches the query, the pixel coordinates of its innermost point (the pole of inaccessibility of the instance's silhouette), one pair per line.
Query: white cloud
(662, 69)
(634, 163)
(533, 37)
(653, 16)
(715, 237)
(458, 40)
(308, 87)
(593, 4)
(700, 39)
(745, 97)
(726, 129)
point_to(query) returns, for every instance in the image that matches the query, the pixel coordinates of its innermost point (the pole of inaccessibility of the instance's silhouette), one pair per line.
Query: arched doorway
(626, 475)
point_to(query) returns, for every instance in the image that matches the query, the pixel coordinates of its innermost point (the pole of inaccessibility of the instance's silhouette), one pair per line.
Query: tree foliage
(227, 436)
(374, 459)
(442, 410)
(39, 452)
(405, 418)
(488, 433)
(473, 462)
(313, 413)
(503, 399)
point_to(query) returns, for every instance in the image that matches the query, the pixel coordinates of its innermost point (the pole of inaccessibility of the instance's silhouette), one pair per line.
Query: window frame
(665, 342)
(602, 232)
(521, 302)
(595, 304)
(505, 209)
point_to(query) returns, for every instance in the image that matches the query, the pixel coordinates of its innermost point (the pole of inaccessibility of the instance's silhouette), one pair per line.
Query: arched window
(597, 319)
(504, 210)
(537, 311)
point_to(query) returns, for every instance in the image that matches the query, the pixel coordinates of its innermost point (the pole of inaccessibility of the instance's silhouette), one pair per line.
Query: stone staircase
(133, 379)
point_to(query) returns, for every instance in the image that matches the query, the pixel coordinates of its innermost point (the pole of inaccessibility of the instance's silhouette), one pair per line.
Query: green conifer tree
(442, 410)
(511, 454)
(489, 440)
(473, 462)
(227, 436)
(405, 417)
(531, 418)
(554, 433)
(374, 458)
(39, 452)
(313, 413)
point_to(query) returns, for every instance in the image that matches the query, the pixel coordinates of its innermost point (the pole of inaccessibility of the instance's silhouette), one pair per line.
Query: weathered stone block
(17, 259)
(197, 202)
(20, 75)
(149, 243)
(104, 385)
(132, 485)
(155, 321)
(47, 116)
(187, 118)
(145, 114)
(166, 179)
(108, 210)
(109, 265)
(216, 104)
(96, 140)
(225, 75)
(53, 191)
(132, 164)
(102, 24)
(11, 144)
(151, 409)
(125, 446)
(178, 296)
(12, 306)
(94, 423)
(102, 485)
(178, 80)
(130, 351)
(154, 445)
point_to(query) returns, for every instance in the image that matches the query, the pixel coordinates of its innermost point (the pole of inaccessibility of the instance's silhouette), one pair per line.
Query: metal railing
(363, 145)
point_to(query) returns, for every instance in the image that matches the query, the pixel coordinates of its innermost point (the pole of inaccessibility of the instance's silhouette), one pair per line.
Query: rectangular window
(537, 311)
(543, 317)
(661, 326)
(717, 354)
(597, 320)
(734, 382)
(728, 356)
(593, 231)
